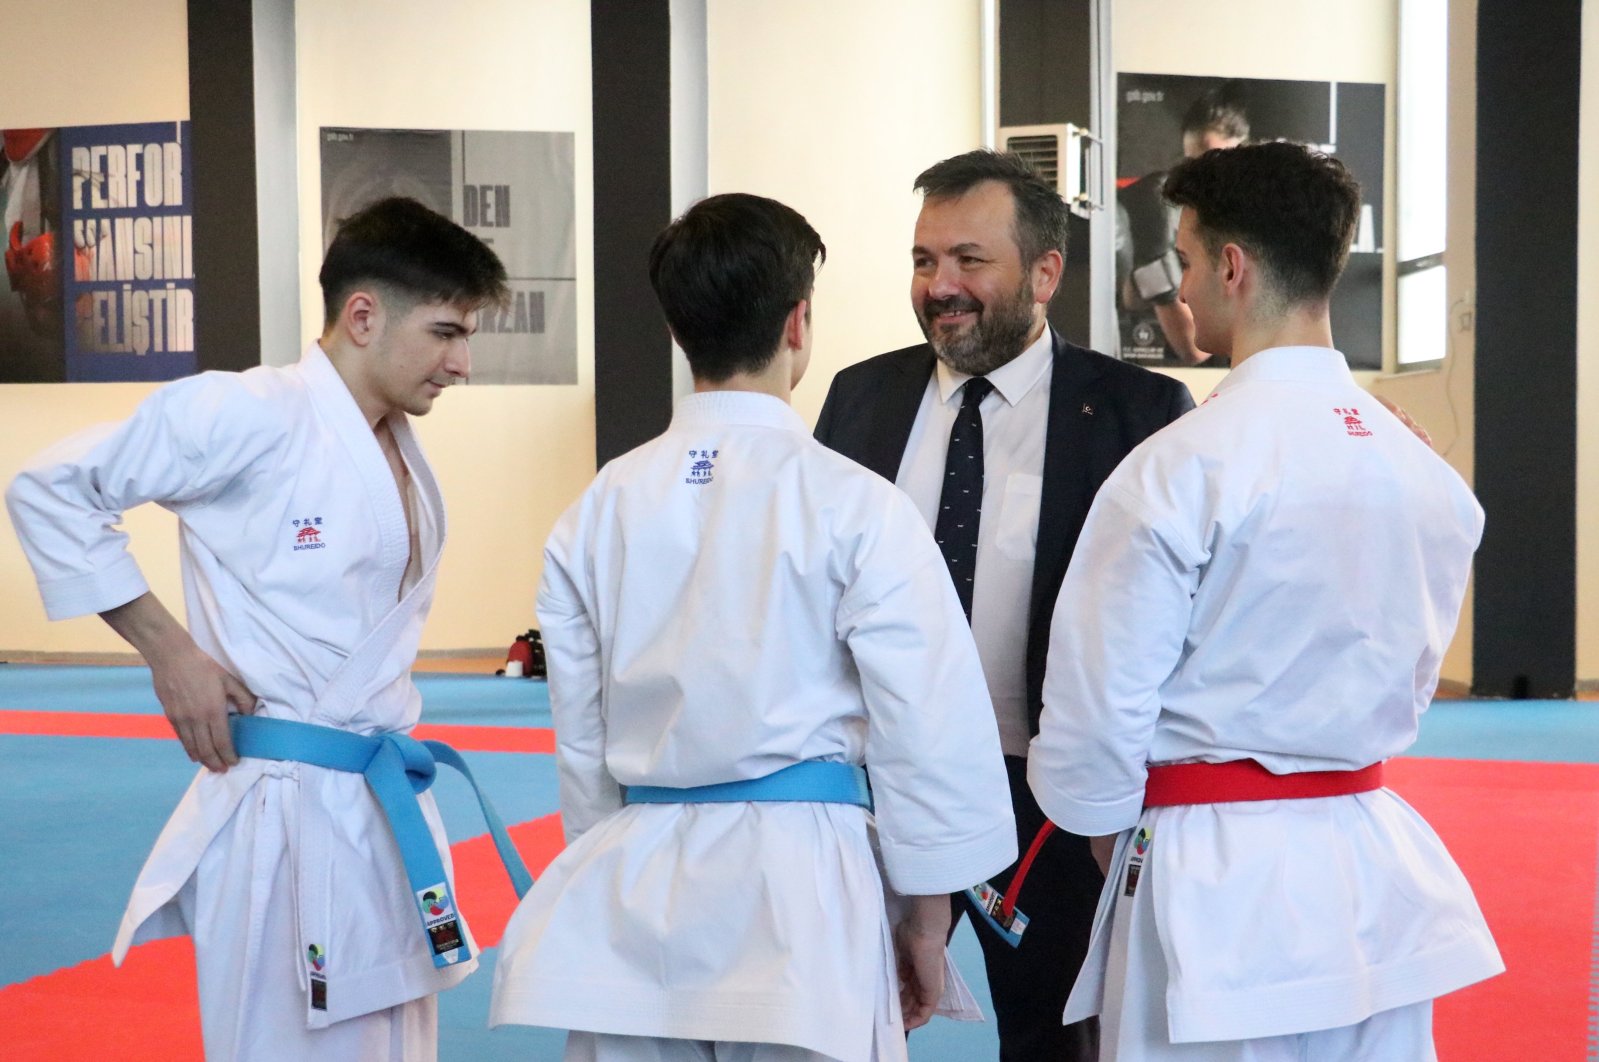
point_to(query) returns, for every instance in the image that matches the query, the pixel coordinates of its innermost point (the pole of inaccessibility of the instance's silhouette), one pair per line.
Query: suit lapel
(1067, 445)
(895, 411)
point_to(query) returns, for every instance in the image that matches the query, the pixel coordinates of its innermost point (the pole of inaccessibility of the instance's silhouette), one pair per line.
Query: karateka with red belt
(1252, 622)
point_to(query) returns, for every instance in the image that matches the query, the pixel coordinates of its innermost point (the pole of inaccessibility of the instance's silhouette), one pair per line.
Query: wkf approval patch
(1135, 862)
(316, 962)
(443, 925)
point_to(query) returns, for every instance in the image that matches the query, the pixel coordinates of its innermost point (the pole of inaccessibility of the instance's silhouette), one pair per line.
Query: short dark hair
(1041, 214)
(727, 274)
(1221, 110)
(418, 254)
(1292, 208)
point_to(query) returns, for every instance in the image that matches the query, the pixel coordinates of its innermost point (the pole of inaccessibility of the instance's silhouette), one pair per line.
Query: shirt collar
(1014, 378)
(737, 407)
(1317, 365)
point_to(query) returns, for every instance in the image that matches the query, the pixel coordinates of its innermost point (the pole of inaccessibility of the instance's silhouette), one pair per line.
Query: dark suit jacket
(1099, 409)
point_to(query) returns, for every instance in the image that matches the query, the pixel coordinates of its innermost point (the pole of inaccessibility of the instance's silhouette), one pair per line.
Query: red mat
(462, 737)
(1526, 835)
(148, 1011)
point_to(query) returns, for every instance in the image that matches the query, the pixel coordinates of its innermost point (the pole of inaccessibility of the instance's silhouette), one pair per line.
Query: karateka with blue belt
(306, 860)
(736, 620)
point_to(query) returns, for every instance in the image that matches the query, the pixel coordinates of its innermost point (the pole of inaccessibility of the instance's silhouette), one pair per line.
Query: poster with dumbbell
(1163, 118)
(516, 191)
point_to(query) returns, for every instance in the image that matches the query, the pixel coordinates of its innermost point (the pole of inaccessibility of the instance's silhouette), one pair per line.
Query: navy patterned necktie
(960, 504)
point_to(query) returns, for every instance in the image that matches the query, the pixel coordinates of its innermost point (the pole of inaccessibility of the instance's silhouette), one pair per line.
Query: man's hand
(194, 690)
(919, 947)
(1406, 420)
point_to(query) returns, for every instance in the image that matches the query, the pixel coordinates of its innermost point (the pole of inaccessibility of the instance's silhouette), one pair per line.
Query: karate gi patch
(1135, 862)
(701, 467)
(442, 923)
(317, 960)
(308, 534)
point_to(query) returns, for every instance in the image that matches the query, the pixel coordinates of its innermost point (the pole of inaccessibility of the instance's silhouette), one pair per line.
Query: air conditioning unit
(1066, 155)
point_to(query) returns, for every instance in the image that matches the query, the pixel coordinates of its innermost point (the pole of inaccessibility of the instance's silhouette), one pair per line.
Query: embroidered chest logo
(700, 467)
(309, 534)
(316, 957)
(1352, 422)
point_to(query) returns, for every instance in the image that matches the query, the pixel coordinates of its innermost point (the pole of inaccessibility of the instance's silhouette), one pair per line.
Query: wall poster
(514, 190)
(97, 228)
(1161, 118)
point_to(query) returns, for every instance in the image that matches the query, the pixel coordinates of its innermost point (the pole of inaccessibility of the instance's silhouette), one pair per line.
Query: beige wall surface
(834, 107)
(144, 83)
(1588, 357)
(510, 458)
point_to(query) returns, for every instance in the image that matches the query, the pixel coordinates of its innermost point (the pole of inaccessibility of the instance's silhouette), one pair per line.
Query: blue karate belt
(813, 781)
(397, 768)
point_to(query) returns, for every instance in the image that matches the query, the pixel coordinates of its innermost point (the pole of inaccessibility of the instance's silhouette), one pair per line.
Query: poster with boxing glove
(98, 233)
(1164, 118)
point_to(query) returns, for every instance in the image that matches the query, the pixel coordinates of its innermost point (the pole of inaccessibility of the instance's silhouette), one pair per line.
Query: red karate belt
(1238, 780)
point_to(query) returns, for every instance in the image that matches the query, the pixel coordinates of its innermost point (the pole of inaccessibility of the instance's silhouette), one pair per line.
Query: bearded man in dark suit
(1001, 432)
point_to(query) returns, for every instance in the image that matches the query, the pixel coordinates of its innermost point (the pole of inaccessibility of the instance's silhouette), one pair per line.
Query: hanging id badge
(1135, 861)
(990, 903)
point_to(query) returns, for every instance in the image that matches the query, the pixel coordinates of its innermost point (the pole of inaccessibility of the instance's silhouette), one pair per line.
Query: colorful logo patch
(1141, 840)
(308, 533)
(316, 957)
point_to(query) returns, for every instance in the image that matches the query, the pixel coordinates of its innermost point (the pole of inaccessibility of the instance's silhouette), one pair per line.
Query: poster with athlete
(1164, 118)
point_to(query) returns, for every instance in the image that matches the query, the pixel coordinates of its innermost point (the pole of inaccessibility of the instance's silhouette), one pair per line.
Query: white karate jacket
(294, 549)
(1275, 576)
(727, 600)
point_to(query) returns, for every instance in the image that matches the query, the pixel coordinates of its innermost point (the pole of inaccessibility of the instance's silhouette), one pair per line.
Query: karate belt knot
(812, 781)
(397, 768)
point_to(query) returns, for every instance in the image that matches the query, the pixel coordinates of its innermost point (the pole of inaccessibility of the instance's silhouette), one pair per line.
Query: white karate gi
(725, 601)
(295, 551)
(1275, 576)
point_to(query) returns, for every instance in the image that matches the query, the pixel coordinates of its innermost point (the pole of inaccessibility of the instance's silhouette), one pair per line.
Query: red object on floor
(149, 1011)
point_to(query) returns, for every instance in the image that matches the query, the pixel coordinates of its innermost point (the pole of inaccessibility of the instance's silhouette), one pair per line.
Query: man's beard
(998, 336)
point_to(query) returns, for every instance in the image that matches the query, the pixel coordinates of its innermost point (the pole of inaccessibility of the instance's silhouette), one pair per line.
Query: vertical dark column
(632, 202)
(1528, 67)
(1046, 76)
(227, 289)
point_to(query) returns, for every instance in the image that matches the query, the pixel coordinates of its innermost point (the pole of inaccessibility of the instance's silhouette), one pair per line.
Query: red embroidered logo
(1352, 422)
(308, 536)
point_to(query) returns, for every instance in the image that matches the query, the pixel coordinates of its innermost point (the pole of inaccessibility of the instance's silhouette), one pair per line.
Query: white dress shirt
(1015, 417)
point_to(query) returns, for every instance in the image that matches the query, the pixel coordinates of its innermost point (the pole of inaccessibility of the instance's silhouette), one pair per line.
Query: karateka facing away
(1252, 623)
(735, 619)
(310, 527)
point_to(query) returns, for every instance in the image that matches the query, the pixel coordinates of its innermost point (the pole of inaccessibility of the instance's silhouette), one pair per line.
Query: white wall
(834, 107)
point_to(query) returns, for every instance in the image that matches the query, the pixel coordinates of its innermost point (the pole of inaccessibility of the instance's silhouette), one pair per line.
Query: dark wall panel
(1528, 68)
(1046, 77)
(227, 289)
(632, 202)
